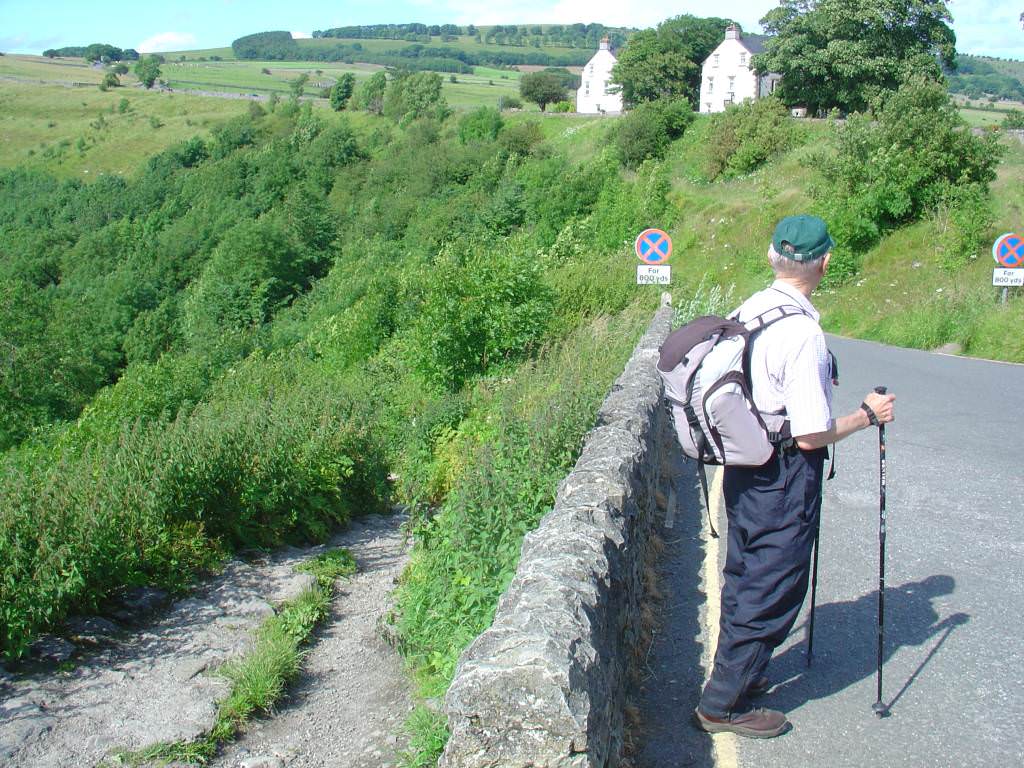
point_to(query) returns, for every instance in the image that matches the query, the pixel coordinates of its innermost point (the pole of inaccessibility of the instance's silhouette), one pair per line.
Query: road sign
(653, 274)
(653, 246)
(1008, 278)
(1008, 251)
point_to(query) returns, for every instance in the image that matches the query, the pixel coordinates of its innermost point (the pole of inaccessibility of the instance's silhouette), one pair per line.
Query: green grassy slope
(83, 132)
(902, 295)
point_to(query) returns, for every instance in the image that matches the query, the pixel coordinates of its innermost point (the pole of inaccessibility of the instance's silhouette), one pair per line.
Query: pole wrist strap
(871, 414)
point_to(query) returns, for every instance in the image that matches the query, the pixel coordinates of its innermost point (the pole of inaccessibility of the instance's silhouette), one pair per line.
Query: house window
(711, 85)
(743, 59)
(771, 86)
(714, 62)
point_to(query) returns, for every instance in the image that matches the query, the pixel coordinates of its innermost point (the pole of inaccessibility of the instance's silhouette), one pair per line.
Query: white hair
(783, 266)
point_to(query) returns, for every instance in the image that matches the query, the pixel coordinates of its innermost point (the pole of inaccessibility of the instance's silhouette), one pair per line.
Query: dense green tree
(542, 88)
(647, 130)
(342, 90)
(102, 52)
(483, 124)
(913, 154)
(298, 85)
(842, 53)
(411, 95)
(370, 96)
(147, 69)
(666, 62)
(1014, 120)
(569, 81)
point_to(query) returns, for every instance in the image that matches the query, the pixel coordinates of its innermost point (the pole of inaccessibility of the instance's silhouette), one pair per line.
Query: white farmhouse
(593, 97)
(728, 77)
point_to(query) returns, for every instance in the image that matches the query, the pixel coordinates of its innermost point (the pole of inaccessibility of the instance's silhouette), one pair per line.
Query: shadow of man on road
(846, 646)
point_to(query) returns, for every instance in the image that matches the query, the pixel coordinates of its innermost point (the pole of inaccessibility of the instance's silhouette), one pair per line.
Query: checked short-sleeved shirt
(790, 367)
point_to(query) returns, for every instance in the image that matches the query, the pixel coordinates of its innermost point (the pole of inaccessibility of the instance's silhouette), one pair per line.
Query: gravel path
(349, 706)
(125, 686)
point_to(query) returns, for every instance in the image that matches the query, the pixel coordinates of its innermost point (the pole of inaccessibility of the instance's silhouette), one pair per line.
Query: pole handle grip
(881, 390)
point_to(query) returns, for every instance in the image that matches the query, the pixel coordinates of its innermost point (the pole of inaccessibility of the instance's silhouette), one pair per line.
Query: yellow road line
(724, 743)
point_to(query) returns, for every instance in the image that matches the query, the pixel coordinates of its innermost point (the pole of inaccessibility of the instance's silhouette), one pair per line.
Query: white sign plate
(1001, 278)
(661, 274)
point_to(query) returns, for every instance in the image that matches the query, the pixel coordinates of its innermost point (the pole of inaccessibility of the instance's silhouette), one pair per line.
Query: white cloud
(988, 27)
(167, 41)
(301, 36)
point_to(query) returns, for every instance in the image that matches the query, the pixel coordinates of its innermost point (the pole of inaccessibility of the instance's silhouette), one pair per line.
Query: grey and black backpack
(705, 365)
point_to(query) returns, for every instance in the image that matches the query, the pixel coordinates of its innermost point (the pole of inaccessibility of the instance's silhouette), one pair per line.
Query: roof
(755, 43)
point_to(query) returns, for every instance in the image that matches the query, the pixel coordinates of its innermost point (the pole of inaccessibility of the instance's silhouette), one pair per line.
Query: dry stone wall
(545, 684)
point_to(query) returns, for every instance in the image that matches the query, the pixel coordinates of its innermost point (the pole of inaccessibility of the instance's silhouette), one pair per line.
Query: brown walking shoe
(755, 724)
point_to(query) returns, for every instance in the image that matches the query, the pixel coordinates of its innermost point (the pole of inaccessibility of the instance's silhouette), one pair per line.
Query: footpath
(147, 674)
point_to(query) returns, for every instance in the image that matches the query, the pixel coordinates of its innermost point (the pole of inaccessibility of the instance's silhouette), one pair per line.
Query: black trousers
(773, 513)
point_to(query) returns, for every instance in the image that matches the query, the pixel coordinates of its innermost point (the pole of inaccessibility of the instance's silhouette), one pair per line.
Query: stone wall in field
(545, 685)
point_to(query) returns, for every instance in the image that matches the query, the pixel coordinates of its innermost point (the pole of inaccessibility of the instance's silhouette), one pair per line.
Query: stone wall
(545, 685)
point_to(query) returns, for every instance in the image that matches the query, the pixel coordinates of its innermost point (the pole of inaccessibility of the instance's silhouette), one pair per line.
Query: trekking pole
(878, 707)
(814, 594)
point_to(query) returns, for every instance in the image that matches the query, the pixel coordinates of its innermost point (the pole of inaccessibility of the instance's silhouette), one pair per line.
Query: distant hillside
(979, 76)
(515, 35)
(445, 48)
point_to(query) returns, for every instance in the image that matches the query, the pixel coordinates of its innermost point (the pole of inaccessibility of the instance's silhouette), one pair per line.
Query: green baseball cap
(802, 238)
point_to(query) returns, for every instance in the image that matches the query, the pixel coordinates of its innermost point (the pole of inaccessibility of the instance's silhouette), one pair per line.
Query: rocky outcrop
(545, 685)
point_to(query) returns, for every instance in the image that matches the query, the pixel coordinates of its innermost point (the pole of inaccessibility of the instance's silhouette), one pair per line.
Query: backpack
(705, 366)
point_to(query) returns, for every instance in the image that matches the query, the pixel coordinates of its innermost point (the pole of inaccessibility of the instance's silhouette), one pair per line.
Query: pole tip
(880, 709)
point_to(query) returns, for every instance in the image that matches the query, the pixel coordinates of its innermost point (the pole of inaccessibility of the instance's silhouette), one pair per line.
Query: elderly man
(773, 509)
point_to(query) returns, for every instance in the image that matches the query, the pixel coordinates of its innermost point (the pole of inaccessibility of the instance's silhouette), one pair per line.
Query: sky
(984, 27)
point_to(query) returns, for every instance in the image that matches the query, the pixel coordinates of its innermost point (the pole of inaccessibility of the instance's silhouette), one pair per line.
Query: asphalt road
(954, 651)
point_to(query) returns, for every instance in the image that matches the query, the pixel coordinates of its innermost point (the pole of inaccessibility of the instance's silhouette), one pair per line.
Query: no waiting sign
(1008, 251)
(653, 246)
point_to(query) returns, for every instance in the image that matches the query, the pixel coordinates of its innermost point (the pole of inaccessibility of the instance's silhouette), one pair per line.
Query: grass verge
(428, 733)
(259, 679)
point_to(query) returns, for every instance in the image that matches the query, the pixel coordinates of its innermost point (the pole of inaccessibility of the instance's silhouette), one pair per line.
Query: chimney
(605, 43)
(732, 32)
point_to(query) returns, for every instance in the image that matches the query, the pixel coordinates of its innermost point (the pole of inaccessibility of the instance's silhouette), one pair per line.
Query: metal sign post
(653, 247)
(1008, 251)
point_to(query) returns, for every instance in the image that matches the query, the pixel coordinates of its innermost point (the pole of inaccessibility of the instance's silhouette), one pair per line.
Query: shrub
(511, 452)
(1014, 120)
(902, 166)
(481, 307)
(746, 136)
(647, 130)
(563, 106)
(964, 219)
(521, 138)
(509, 102)
(483, 124)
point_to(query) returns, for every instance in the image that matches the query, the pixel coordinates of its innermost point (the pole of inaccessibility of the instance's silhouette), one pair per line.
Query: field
(41, 70)
(21, 76)
(249, 77)
(84, 132)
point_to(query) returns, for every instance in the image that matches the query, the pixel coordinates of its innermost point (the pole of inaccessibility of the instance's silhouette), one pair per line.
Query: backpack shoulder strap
(770, 317)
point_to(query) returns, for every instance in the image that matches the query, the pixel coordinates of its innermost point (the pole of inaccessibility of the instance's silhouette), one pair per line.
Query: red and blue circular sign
(1008, 251)
(653, 246)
